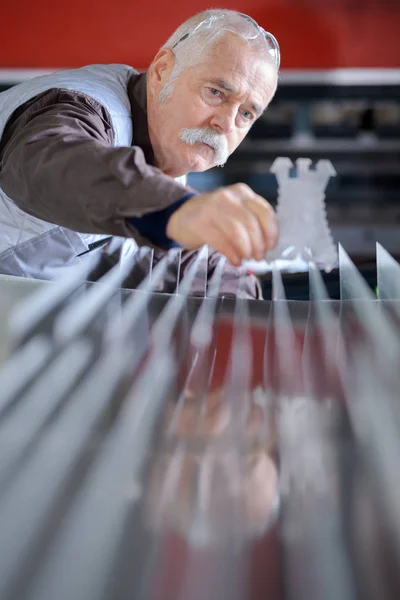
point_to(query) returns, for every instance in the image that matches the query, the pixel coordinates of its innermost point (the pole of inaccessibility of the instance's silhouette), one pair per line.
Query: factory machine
(159, 446)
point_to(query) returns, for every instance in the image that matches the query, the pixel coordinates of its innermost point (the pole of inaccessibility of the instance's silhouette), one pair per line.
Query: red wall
(312, 33)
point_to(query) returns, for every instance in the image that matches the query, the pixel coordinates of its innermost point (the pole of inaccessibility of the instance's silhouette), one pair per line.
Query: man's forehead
(238, 69)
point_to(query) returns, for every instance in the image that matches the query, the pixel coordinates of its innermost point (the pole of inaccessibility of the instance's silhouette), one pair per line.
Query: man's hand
(232, 220)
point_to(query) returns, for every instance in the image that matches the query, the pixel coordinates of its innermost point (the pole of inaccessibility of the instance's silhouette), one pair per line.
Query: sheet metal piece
(388, 275)
(164, 326)
(32, 314)
(216, 525)
(286, 351)
(372, 405)
(17, 374)
(352, 285)
(201, 354)
(42, 487)
(34, 410)
(315, 559)
(96, 520)
(381, 334)
(119, 326)
(78, 316)
(324, 354)
(151, 387)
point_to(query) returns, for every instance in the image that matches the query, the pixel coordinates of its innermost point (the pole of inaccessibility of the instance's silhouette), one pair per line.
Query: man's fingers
(261, 209)
(241, 226)
(234, 221)
(238, 236)
(222, 244)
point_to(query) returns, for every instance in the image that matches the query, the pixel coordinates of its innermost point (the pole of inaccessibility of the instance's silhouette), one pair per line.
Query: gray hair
(195, 38)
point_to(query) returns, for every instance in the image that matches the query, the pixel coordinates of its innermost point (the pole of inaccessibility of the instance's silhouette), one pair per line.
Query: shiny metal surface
(171, 447)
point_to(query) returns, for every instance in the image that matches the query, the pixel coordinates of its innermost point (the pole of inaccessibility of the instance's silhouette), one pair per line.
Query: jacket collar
(137, 92)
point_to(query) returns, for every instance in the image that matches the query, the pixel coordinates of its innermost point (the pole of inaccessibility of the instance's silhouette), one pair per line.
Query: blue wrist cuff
(154, 225)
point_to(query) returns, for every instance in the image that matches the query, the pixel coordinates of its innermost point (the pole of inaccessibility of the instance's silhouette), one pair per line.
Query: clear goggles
(272, 42)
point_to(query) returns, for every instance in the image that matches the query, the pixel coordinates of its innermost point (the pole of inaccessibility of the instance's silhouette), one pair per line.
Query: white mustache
(217, 141)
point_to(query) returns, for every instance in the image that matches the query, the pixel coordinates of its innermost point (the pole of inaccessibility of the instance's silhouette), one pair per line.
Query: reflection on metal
(171, 447)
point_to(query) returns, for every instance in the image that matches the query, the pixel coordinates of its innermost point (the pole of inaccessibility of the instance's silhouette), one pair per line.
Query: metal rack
(165, 446)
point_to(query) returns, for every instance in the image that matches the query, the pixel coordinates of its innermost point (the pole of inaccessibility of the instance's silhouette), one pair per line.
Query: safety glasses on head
(271, 41)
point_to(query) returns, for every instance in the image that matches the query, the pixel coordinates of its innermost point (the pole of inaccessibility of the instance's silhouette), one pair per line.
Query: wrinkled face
(211, 108)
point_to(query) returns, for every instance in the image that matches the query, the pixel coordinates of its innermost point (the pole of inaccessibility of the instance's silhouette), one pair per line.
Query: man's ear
(162, 66)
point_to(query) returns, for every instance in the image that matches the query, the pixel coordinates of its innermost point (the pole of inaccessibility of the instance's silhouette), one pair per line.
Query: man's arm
(57, 163)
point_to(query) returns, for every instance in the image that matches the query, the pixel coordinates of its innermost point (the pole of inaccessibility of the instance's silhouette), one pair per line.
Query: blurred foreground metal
(159, 447)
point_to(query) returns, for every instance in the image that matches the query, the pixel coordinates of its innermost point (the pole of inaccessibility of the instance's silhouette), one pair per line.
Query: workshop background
(338, 98)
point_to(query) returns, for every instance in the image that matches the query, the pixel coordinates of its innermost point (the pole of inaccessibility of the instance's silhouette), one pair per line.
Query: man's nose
(223, 121)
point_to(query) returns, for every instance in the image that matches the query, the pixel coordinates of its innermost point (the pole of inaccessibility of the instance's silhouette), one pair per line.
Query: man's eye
(246, 114)
(214, 92)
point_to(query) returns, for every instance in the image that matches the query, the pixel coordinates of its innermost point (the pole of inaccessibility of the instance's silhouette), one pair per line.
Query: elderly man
(104, 150)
